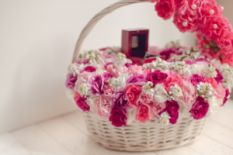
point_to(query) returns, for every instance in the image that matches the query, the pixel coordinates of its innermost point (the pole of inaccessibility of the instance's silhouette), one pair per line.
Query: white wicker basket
(148, 136)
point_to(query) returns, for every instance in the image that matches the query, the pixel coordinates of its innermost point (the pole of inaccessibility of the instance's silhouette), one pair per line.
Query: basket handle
(91, 24)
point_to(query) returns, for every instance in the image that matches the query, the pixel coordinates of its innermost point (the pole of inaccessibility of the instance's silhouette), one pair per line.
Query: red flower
(172, 108)
(165, 8)
(208, 9)
(71, 80)
(149, 60)
(143, 113)
(81, 102)
(132, 93)
(157, 77)
(90, 69)
(225, 42)
(179, 3)
(199, 108)
(118, 117)
(196, 79)
(186, 19)
(214, 26)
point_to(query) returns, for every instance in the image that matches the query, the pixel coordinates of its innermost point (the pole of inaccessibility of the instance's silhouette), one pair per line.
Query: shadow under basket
(138, 137)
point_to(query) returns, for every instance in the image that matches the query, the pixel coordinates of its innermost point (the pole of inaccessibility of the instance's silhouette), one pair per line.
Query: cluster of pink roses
(205, 17)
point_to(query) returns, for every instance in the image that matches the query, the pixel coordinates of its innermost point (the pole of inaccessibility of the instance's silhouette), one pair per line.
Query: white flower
(159, 64)
(83, 89)
(227, 73)
(175, 91)
(148, 89)
(118, 82)
(198, 68)
(160, 94)
(164, 118)
(205, 89)
(181, 67)
(74, 68)
(211, 72)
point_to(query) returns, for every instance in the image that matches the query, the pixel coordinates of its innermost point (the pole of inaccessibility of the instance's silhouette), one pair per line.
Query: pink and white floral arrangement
(108, 83)
(176, 81)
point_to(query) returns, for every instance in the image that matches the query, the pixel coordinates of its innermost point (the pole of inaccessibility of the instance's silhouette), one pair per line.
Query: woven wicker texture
(148, 136)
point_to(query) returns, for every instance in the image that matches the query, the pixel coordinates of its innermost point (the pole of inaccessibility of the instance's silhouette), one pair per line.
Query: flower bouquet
(162, 101)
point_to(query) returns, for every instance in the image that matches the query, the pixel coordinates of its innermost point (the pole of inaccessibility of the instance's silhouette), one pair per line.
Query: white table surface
(67, 135)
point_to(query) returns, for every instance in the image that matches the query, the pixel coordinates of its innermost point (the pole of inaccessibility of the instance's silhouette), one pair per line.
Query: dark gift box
(135, 42)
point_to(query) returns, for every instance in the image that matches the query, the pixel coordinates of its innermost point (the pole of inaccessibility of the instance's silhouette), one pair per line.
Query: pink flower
(132, 93)
(214, 26)
(225, 42)
(97, 85)
(199, 108)
(89, 69)
(118, 115)
(172, 108)
(143, 113)
(103, 104)
(186, 19)
(81, 102)
(137, 79)
(219, 77)
(179, 3)
(167, 53)
(227, 95)
(165, 8)
(227, 58)
(196, 79)
(206, 9)
(157, 77)
(71, 80)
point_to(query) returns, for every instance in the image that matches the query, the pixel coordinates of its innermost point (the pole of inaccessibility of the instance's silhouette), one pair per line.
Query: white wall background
(36, 43)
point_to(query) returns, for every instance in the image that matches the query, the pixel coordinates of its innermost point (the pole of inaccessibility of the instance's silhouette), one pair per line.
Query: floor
(67, 135)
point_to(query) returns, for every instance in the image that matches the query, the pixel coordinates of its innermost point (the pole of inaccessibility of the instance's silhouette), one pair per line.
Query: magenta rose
(165, 8)
(199, 108)
(196, 79)
(172, 108)
(97, 85)
(132, 93)
(81, 102)
(71, 80)
(156, 77)
(118, 115)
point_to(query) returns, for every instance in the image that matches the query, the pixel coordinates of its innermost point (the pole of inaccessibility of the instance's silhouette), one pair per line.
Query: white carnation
(175, 91)
(160, 94)
(83, 89)
(205, 89)
(118, 82)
